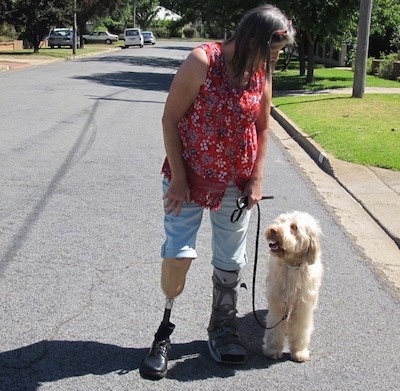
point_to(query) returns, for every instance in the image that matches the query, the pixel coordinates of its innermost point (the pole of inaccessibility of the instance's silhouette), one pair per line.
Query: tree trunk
(81, 31)
(302, 55)
(35, 43)
(311, 58)
(287, 55)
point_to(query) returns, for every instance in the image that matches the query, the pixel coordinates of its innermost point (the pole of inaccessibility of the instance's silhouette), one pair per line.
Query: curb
(327, 163)
(305, 141)
(49, 60)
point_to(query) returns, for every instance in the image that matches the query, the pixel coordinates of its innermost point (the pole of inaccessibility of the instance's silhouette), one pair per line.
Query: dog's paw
(300, 355)
(274, 354)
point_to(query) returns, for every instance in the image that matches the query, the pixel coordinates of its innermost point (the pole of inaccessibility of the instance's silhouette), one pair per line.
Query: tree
(326, 20)
(314, 19)
(219, 16)
(136, 13)
(146, 10)
(385, 14)
(385, 24)
(333, 21)
(5, 8)
(34, 18)
(88, 9)
(226, 14)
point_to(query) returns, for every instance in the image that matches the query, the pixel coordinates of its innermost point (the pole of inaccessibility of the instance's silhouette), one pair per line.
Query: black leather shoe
(155, 365)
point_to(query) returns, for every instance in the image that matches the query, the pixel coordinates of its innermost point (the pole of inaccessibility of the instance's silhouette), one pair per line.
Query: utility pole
(74, 39)
(360, 68)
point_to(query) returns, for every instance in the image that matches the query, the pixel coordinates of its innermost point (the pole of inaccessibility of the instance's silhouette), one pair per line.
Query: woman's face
(275, 53)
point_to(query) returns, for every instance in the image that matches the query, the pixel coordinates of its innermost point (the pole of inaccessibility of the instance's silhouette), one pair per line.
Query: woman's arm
(254, 188)
(183, 92)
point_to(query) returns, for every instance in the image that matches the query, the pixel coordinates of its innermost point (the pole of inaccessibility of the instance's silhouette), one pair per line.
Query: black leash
(255, 271)
(242, 203)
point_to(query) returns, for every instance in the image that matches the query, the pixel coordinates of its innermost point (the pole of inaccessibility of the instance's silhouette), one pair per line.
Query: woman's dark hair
(260, 29)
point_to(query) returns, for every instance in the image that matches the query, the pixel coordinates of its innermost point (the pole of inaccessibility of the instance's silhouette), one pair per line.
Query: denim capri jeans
(228, 239)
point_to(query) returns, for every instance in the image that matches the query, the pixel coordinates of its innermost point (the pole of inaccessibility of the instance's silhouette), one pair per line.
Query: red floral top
(218, 132)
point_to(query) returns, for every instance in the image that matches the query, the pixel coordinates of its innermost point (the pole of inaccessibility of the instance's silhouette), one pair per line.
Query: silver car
(61, 37)
(100, 37)
(148, 37)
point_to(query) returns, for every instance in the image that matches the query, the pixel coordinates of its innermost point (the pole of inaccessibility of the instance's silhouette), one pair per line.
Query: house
(166, 14)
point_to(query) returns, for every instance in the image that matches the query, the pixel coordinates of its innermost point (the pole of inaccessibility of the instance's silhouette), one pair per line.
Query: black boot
(155, 364)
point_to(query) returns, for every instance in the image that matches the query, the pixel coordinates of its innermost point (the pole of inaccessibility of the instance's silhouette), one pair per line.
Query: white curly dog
(293, 281)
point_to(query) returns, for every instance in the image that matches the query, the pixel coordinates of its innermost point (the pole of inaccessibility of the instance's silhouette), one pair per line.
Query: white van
(133, 37)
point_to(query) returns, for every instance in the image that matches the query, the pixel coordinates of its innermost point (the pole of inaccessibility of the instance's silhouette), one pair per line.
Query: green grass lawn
(364, 131)
(325, 78)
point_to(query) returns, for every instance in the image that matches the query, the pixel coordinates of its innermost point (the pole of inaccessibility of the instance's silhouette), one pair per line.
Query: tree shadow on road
(136, 80)
(177, 47)
(146, 61)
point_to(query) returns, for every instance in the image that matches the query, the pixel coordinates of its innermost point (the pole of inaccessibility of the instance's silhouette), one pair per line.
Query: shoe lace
(227, 334)
(160, 347)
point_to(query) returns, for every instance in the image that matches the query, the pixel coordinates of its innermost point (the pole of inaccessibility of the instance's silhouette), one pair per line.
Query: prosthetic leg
(173, 277)
(223, 338)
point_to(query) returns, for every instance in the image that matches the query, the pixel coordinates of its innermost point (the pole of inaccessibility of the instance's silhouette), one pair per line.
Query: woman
(215, 125)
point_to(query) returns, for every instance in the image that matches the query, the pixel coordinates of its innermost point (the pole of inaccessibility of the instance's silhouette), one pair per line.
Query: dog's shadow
(26, 368)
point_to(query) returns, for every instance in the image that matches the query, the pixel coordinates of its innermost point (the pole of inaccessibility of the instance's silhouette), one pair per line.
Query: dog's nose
(272, 232)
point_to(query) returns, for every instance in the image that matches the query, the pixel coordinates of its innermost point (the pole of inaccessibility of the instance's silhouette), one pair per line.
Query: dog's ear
(314, 248)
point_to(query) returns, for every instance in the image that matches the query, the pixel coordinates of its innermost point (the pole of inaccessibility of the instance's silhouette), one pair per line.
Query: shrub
(161, 32)
(386, 66)
(7, 32)
(175, 33)
(189, 32)
(175, 28)
(370, 70)
(395, 41)
(167, 28)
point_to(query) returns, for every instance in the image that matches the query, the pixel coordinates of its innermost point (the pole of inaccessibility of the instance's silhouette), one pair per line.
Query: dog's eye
(293, 227)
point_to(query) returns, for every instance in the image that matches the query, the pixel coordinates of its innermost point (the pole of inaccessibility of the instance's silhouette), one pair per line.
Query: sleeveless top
(218, 132)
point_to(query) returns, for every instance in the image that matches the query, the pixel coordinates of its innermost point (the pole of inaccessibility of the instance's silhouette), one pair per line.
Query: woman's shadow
(26, 368)
(47, 361)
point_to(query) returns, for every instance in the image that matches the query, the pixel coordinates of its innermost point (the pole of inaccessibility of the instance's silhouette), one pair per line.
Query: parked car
(100, 37)
(133, 37)
(148, 37)
(62, 37)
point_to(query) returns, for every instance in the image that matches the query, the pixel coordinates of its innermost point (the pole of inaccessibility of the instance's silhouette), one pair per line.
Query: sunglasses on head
(283, 33)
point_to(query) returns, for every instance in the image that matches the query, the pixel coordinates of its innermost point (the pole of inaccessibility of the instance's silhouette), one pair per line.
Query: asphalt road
(81, 228)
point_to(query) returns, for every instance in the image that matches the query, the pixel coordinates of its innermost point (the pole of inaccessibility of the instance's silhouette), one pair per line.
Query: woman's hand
(253, 192)
(178, 192)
